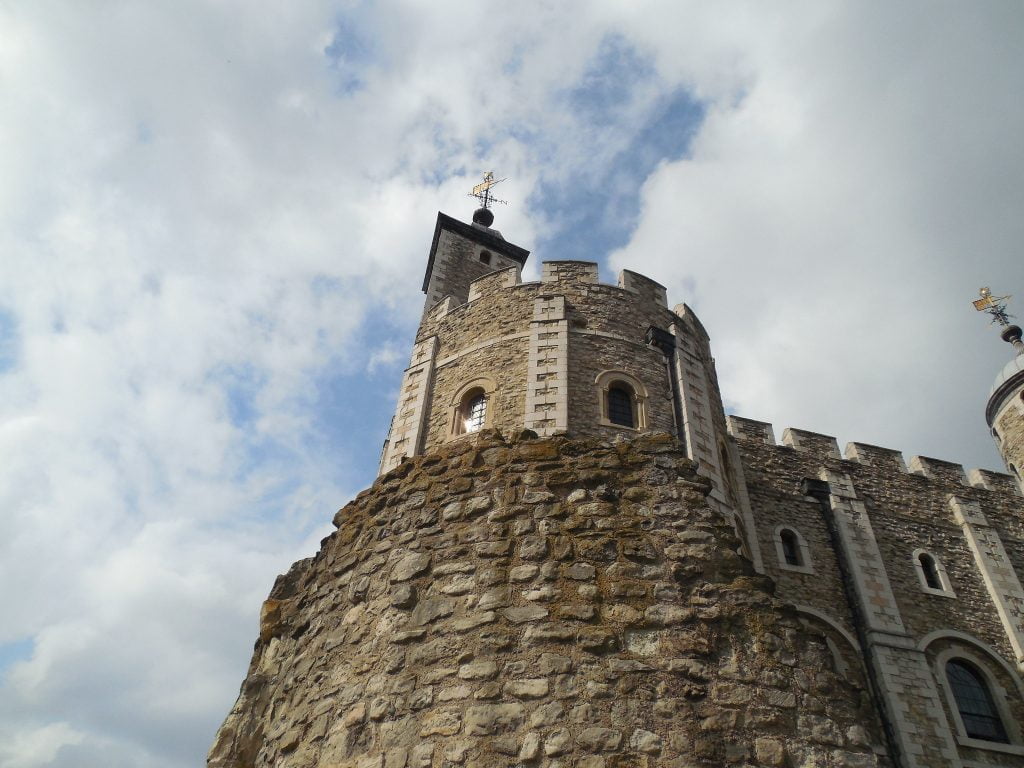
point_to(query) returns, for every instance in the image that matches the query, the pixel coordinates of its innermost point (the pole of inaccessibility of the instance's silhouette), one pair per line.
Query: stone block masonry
(539, 602)
(886, 512)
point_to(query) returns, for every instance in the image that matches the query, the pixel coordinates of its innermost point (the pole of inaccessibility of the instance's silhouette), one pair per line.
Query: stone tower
(556, 564)
(1005, 409)
(546, 356)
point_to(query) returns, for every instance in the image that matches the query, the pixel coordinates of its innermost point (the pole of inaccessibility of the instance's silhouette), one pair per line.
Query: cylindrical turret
(1005, 410)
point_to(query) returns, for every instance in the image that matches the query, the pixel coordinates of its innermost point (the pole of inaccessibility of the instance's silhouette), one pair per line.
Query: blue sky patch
(8, 341)
(350, 54)
(12, 653)
(599, 216)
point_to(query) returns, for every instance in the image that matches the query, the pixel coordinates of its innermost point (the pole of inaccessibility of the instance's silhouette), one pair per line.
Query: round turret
(1005, 413)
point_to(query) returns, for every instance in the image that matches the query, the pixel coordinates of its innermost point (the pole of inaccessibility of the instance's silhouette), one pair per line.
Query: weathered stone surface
(430, 610)
(410, 566)
(525, 613)
(600, 739)
(486, 719)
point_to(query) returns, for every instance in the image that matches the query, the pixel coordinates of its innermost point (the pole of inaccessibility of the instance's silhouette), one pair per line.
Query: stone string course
(569, 603)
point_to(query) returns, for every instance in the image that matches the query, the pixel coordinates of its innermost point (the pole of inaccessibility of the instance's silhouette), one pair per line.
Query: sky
(214, 218)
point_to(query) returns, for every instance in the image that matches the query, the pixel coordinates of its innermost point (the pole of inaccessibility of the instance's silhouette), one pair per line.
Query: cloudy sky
(214, 218)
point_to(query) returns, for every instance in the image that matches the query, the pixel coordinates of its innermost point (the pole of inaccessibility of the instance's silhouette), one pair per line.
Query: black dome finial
(483, 216)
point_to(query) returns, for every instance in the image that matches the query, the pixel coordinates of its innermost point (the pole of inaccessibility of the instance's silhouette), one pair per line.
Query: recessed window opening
(485, 257)
(790, 547)
(975, 703)
(930, 571)
(995, 434)
(474, 412)
(620, 405)
(1015, 471)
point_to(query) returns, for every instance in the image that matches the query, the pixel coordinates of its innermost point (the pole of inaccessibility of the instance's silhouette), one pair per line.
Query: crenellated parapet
(826, 448)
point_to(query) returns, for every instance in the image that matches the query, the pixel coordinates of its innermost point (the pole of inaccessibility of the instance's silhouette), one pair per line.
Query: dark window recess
(620, 406)
(476, 410)
(931, 571)
(485, 257)
(790, 547)
(974, 701)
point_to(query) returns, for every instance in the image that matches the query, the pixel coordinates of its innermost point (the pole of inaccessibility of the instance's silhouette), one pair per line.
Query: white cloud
(38, 746)
(836, 219)
(203, 215)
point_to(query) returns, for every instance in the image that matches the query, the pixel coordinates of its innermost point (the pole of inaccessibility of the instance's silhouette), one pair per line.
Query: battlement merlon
(749, 429)
(802, 440)
(875, 456)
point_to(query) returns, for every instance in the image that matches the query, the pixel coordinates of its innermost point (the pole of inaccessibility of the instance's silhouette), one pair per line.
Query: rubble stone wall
(539, 602)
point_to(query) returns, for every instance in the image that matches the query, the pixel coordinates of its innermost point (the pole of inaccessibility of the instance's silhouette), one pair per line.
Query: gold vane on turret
(482, 191)
(993, 305)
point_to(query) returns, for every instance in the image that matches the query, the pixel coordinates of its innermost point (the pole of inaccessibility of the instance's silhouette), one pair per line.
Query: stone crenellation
(636, 579)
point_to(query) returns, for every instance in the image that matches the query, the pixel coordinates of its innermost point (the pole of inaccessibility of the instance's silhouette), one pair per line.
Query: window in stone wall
(974, 702)
(995, 434)
(485, 257)
(474, 412)
(792, 550)
(470, 410)
(623, 400)
(932, 574)
(620, 405)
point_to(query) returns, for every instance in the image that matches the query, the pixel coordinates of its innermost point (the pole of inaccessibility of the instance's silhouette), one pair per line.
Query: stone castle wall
(972, 523)
(542, 602)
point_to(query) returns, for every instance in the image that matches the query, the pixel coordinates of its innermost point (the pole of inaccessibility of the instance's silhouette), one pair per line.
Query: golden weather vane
(482, 191)
(993, 305)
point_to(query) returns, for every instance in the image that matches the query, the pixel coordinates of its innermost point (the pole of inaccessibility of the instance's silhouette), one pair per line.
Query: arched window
(620, 404)
(792, 550)
(476, 410)
(931, 574)
(790, 547)
(974, 702)
(930, 571)
(471, 407)
(622, 399)
(485, 257)
(472, 412)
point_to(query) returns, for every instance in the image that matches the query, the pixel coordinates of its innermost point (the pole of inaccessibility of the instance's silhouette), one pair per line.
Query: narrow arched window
(790, 547)
(930, 571)
(620, 405)
(474, 413)
(974, 702)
